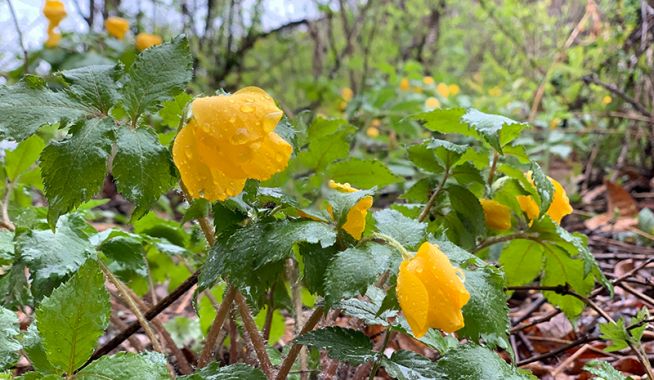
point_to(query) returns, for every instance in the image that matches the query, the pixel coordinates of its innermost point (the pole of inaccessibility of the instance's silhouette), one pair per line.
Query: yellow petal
(342, 187)
(347, 94)
(413, 298)
(372, 132)
(497, 215)
(432, 103)
(53, 39)
(355, 222)
(117, 27)
(145, 40)
(454, 89)
(529, 206)
(428, 80)
(443, 90)
(404, 84)
(560, 206)
(54, 11)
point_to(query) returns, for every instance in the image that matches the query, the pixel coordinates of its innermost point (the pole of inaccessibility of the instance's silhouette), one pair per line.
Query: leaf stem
(504, 238)
(430, 203)
(375, 367)
(393, 243)
(491, 173)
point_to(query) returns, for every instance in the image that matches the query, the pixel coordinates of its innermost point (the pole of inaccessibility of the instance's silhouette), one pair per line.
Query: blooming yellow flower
(497, 215)
(54, 11)
(430, 291)
(116, 27)
(229, 139)
(375, 123)
(606, 100)
(443, 90)
(372, 132)
(145, 40)
(428, 80)
(432, 103)
(454, 89)
(53, 39)
(355, 221)
(495, 92)
(347, 94)
(555, 123)
(559, 208)
(405, 84)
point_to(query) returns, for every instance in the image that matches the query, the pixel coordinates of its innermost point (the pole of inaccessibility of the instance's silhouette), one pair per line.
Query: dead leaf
(619, 199)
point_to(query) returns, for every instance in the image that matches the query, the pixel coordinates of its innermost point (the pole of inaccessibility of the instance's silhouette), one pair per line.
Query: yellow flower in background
(454, 89)
(555, 123)
(347, 94)
(54, 11)
(418, 90)
(443, 90)
(229, 139)
(375, 123)
(559, 208)
(53, 39)
(372, 132)
(430, 291)
(606, 100)
(428, 80)
(495, 92)
(117, 27)
(355, 221)
(497, 215)
(432, 103)
(405, 84)
(145, 40)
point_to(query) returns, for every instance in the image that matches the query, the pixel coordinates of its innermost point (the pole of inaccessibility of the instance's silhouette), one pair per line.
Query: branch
(20, 37)
(216, 326)
(287, 364)
(592, 78)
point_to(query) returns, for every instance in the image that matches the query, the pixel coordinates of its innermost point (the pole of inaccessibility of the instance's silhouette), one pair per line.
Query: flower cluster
(54, 11)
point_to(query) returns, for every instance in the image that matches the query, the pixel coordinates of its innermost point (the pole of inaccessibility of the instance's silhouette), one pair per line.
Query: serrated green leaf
(157, 74)
(362, 173)
(141, 168)
(409, 232)
(14, 288)
(468, 209)
(448, 153)
(23, 157)
(424, 158)
(445, 121)
(231, 372)
(33, 347)
(522, 261)
(127, 256)
(560, 269)
(73, 317)
(9, 344)
(315, 260)
(52, 256)
(420, 191)
(617, 334)
(408, 365)
(73, 169)
(347, 345)
(126, 366)
(356, 268)
(171, 111)
(470, 361)
(543, 186)
(26, 106)
(6, 247)
(497, 130)
(604, 371)
(368, 311)
(93, 85)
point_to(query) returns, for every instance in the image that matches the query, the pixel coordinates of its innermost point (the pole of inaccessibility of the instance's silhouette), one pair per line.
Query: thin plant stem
(393, 243)
(20, 37)
(287, 364)
(430, 203)
(375, 367)
(257, 341)
(216, 326)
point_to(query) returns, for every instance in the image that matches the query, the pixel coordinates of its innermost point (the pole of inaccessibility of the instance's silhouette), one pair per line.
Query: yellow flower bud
(372, 132)
(116, 27)
(375, 123)
(559, 208)
(347, 94)
(54, 11)
(606, 100)
(428, 80)
(145, 40)
(355, 221)
(443, 90)
(495, 92)
(432, 103)
(405, 84)
(497, 215)
(454, 89)
(431, 292)
(229, 139)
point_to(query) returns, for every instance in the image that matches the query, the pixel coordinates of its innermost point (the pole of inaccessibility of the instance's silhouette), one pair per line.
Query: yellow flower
(428, 80)
(229, 139)
(454, 89)
(347, 94)
(432, 103)
(145, 40)
(117, 27)
(606, 100)
(375, 123)
(559, 208)
(54, 11)
(405, 84)
(53, 39)
(443, 90)
(418, 90)
(497, 215)
(342, 105)
(372, 132)
(555, 123)
(430, 291)
(355, 221)
(495, 91)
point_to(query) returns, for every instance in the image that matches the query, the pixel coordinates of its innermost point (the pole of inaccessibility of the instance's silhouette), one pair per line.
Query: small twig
(6, 220)
(287, 364)
(216, 326)
(425, 212)
(612, 88)
(504, 238)
(296, 297)
(491, 173)
(257, 341)
(378, 362)
(132, 339)
(557, 351)
(20, 37)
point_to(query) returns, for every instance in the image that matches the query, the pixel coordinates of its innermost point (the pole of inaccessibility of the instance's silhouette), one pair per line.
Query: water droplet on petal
(232, 120)
(240, 137)
(247, 109)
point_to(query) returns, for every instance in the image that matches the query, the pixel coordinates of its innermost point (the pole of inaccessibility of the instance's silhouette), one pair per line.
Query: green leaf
(126, 366)
(329, 140)
(93, 85)
(14, 288)
(497, 130)
(28, 105)
(127, 256)
(470, 361)
(445, 121)
(448, 153)
(73, 169)
(543, 186)
(72, 319)
(362, 173)
(33, 347)
(6, 247)
(157, 74)
(522, 261)
(468, 209)
(9, 344)
(409, 232)
(23, 157)
(356, 268)
(408, 365)
(424, 158)
(346, 345)
(604, 371)
(560, 269)
(617, 334)
(172, 110)
(370, 312)
(244, 256)
(142, 168)
(53, 256)
(231, 372)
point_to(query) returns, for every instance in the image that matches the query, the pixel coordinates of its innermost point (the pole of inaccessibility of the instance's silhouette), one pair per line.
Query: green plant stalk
(287, 364)
(430, 203)
(377, 365)
(393, 243)
(257, 341)
(216, 326)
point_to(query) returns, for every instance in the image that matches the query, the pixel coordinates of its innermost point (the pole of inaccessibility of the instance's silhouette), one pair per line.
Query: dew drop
(232, 120)
(240, 137)
(247, 109)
